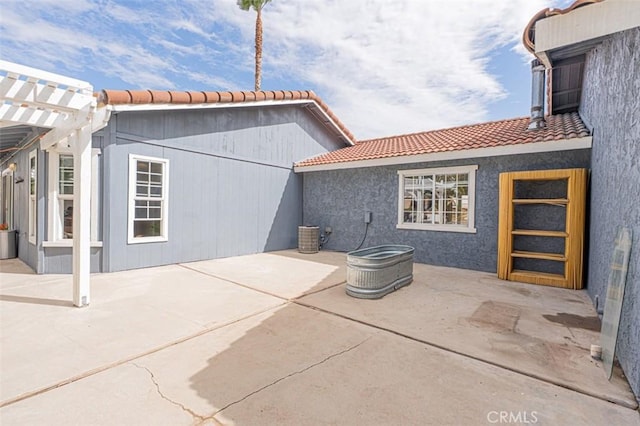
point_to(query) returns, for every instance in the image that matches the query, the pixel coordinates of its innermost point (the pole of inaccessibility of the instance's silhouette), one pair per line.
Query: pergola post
(82, 216)
(43, 100)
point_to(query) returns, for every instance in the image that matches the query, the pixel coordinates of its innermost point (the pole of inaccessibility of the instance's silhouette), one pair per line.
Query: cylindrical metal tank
(375, 271)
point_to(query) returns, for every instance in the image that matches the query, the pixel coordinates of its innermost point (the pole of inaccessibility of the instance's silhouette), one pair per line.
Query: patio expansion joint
(295, 373)
(193, 414)
(208, 274)
(633, 405)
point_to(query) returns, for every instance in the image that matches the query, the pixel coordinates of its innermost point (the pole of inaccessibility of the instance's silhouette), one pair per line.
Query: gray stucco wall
(611, 105)
(232, 190)
(339, 199)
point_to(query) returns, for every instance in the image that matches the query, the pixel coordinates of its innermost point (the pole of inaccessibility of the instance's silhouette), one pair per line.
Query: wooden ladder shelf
(573, 233)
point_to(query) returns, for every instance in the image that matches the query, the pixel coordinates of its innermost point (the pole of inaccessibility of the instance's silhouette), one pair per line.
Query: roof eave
(515, 149)
(578, 29)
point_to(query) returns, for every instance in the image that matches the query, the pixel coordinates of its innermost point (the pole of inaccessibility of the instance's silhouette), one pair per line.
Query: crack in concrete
(295, 373)
(127, 360)
(195, 416)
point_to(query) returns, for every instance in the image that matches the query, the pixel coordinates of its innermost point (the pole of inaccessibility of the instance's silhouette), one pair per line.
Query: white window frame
(164, 234)
(469, 228)
(32, 229)
(55, 224)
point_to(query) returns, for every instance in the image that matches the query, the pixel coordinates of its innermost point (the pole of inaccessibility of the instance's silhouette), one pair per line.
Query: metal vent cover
(308, 239)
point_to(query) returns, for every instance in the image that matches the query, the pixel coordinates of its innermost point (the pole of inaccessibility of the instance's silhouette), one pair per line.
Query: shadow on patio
(341, 358)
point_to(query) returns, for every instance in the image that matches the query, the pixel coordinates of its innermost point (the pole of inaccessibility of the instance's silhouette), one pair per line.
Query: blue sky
(385, 67)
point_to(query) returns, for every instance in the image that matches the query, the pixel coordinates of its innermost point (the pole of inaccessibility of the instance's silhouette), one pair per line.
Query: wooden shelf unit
(539, 233)
(537, 255)
(573, 234)
(552, 201)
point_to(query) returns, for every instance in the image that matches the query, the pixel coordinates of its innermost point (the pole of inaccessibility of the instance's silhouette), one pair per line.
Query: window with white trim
(33, 195)
(148, 199)
(441, 199)
(6, 197)
(60, 211)
(65, 194)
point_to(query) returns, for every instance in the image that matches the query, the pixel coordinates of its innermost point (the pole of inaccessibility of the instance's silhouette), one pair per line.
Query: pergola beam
(30, 92)
(96, 120)
(11, 115)
(29, 96)
(65, 128)
(20, 70)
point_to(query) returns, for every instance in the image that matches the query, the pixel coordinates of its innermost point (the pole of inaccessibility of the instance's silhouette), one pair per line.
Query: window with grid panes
(437, 199)
(148, 196)
(60, 211)
(65, 194)
(33, 190)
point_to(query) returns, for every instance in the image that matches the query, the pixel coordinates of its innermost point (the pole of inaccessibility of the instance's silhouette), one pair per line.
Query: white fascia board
(170, 107)
(529, 148)
(100, 119)
(586, 23)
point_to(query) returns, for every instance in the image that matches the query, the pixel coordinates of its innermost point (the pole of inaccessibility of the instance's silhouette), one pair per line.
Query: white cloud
(384, 67)
(397, 66)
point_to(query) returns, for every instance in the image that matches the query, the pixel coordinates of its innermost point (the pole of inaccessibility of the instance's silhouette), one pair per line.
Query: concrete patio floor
(273, 339)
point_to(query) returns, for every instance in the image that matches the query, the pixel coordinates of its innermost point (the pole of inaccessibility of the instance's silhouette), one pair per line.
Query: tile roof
(484, 135)
(141, 97)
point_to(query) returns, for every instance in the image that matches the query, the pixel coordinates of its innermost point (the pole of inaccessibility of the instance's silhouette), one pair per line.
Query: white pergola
(66, 106)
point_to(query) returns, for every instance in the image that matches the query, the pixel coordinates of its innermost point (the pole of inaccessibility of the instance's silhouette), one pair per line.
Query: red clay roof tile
(237, 96)
(120, 97)
(484, 135)
(197, 97)
(249, 96)
(226, 96)
(160, 96)
(269, 95)
(179, 97)
(210, 97)
(140, 96)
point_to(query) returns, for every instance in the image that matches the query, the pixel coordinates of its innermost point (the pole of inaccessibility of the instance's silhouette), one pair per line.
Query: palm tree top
(255, 4)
